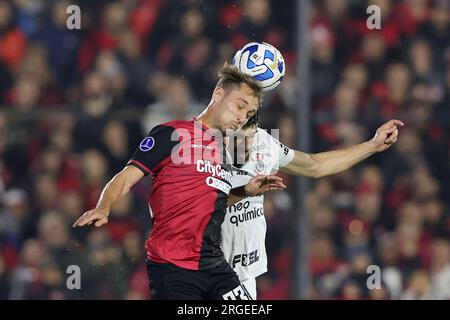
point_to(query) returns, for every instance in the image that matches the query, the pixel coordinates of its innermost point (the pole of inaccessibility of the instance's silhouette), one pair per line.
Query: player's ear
(218, 94)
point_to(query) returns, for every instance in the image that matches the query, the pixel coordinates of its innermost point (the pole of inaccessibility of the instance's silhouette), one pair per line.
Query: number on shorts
(238, 293)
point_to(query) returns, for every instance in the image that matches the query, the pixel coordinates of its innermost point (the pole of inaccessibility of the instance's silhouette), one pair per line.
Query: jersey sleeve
(154, 149)
(240, 178)
(285, 154)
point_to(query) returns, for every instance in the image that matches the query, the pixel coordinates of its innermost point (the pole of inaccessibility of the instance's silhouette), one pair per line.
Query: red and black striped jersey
(188, 200)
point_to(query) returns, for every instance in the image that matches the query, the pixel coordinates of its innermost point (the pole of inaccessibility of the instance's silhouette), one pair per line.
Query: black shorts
(169, 282)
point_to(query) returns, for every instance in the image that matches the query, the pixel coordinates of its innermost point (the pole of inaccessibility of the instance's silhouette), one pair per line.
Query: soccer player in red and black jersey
(191, 191)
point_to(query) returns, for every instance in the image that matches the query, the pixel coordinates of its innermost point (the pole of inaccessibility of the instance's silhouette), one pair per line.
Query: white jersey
(244, 226)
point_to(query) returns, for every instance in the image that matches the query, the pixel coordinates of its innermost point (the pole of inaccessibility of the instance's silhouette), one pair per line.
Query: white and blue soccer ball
(263, 62)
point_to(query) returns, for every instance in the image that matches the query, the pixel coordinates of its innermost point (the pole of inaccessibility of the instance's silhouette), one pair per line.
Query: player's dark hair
(230, 77)
(252, 121)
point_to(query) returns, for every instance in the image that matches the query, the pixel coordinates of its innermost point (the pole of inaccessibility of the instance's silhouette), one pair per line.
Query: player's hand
(261, 184)
(98, 216)
(386, 135)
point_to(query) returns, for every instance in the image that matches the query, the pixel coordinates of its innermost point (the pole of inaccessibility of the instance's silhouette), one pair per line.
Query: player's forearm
(332, 162)
(116, 188)
(236, 195)
(326, 163)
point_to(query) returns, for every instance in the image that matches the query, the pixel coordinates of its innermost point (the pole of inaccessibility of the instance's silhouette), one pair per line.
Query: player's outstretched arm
(255, 187)
(331, 162)
(114, 190)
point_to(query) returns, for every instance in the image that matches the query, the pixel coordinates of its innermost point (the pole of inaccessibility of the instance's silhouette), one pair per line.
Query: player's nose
(237, 122)
(242, 116)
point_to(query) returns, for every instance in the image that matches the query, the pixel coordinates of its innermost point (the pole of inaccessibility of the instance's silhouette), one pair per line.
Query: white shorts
(250, 285)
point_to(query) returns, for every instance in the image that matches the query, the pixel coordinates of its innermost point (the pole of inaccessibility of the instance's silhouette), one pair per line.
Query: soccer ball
(263, 62)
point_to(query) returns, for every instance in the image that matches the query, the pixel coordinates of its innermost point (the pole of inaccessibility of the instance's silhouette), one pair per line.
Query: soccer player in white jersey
(244, 226)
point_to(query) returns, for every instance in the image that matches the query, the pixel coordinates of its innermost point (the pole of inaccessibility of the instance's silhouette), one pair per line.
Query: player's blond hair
(230, 77)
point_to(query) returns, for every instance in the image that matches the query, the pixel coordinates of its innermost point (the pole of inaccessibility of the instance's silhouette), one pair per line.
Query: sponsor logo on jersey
(147, 144)
(260, 165)
(215, 169)
(218, 184)
(244, 214)
(200, 146)
(221, 179)
(258, 147)
(245, 259)
(237, 207)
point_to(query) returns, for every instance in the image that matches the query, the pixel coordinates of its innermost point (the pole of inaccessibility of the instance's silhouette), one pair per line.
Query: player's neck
(206, 119)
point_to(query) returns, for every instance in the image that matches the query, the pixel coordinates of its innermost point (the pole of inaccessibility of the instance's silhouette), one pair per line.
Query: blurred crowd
(74, 104)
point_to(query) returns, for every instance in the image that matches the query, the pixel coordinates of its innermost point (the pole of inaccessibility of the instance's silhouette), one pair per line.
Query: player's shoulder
(262, 133)
(264, 139)
(167, 130)
(178, 124)
(171, 127)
